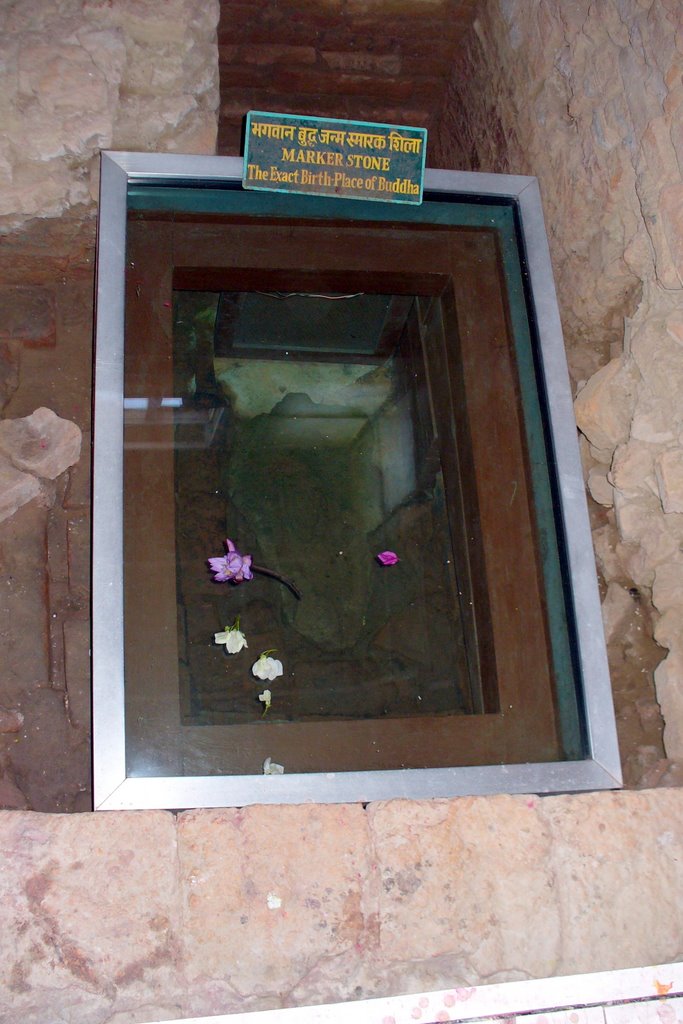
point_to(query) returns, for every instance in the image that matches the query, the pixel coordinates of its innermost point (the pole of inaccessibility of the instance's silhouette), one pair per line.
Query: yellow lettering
(368, 163)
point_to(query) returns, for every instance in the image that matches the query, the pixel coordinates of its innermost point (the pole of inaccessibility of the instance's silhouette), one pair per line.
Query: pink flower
(233, 566)
(387, 558)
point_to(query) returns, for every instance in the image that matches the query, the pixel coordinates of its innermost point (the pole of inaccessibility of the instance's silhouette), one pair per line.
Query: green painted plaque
(329, 157)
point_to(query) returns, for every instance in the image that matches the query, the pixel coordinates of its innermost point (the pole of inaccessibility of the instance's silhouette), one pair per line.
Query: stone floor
(46, 312)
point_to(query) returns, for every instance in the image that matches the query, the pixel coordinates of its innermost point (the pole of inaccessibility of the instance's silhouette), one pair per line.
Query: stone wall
(75, 76)
(588, 97)
(83, 75)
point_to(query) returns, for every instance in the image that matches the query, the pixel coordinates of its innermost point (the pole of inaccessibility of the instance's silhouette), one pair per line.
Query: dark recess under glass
(305, 430)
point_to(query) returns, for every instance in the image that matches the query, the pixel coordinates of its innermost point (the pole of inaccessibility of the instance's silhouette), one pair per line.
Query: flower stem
(278, 576)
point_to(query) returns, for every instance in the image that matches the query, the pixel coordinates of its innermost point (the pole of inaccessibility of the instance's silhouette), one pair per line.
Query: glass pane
(318, 418)
(309, 441)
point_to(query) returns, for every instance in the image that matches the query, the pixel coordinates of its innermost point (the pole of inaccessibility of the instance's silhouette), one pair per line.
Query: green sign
(328, 157)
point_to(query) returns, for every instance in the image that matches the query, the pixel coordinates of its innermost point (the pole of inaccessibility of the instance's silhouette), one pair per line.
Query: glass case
(341, 547)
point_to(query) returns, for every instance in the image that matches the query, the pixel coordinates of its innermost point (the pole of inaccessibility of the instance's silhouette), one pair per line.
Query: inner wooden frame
(465, 271)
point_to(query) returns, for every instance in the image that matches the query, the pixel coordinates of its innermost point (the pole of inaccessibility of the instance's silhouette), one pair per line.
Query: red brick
(417, 118)
(286, 27)
(237, 102)
(78, 545)
(437, 65)
(77, 665)
(387, 90)
(238, 76)
(58, 602)
(57, 546)
(10, 362)
(278, 54)
(229, 141)
(366, 63)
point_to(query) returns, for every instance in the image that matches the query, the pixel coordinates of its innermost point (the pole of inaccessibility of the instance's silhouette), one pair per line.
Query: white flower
(266, 698)
(267, 668)
(231, 636)
(271, 768)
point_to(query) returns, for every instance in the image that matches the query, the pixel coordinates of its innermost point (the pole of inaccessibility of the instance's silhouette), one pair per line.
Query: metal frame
(112, 789)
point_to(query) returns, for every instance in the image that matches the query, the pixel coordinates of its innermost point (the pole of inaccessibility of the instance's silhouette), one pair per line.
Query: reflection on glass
(370, 442)
(304, 432)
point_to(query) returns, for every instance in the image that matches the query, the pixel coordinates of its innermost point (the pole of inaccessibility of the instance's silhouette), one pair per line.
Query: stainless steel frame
(112, 789)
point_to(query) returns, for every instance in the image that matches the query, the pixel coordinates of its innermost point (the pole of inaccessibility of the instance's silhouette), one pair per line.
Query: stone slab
(272, 896)
(617, 877)
(603, 408)
(669, 470)
(460, 879)
(89, 915)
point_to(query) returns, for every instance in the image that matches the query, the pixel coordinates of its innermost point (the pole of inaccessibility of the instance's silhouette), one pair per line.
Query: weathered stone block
(667, 591)
(606, 543)
(599, 486)
(669, 470)
(16, 488)
(89, 914)
(669, 683)
(604, 407)
(428, 856)
(292, 900)
(616, 607)
(671, 212)
(69, 75)
(632, 471)
(652, 420)
(659, 358)
(42, 443)
(608, 851)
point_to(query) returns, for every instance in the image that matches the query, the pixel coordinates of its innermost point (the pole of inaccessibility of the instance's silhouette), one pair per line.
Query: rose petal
(387, 558)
